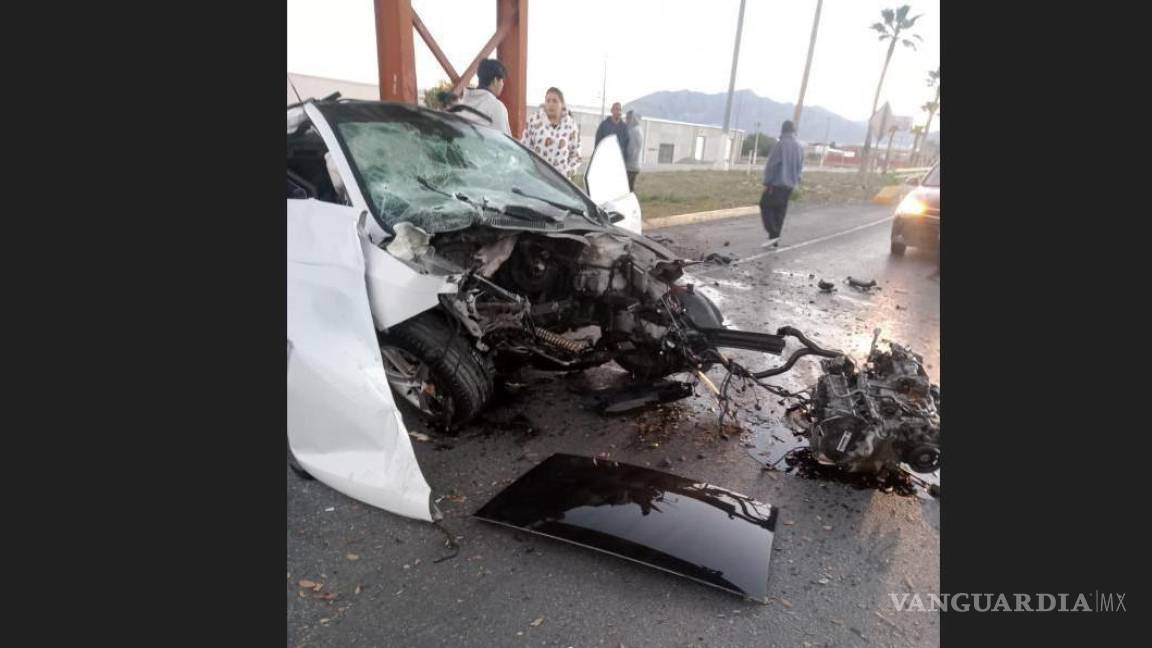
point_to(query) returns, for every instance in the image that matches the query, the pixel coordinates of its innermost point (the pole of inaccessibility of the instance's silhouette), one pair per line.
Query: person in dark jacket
(614, 125)
(781, 175)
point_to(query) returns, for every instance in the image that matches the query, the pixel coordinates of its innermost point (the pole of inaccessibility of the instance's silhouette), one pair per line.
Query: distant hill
(748, 108)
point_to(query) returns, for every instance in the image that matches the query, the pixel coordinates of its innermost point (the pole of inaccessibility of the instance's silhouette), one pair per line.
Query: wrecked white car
(482, 257)
(426, 254)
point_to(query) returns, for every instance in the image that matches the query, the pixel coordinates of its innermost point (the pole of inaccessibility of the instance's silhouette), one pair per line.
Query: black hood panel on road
(703, 532)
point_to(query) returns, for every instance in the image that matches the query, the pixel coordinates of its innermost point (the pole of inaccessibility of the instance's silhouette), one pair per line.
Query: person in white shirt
(486, 97)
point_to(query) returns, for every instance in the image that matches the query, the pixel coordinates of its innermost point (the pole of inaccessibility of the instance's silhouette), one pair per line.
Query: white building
(668, 145)
(314, 87)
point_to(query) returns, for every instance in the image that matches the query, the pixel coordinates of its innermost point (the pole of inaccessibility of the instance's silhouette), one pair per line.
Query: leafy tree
(932, 107)
(432, 96)
(763, 148)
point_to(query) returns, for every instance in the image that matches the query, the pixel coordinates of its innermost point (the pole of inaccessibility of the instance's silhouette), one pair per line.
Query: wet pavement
(819, 248)
(838, 553)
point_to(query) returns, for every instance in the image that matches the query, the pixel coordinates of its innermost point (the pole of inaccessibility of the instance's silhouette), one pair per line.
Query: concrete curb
(892, 194)
(750, 210)
(912, 171)
(701, 217)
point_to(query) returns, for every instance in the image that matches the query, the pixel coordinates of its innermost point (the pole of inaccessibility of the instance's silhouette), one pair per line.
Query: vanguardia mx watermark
(965, 602)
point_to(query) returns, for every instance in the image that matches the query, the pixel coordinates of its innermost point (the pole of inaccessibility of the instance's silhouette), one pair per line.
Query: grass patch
(681, 192)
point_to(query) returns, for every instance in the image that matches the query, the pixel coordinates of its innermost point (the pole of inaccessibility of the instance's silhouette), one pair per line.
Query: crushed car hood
(702, 532)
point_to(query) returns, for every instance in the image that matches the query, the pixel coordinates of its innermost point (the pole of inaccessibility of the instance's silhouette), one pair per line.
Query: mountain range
(816, 125)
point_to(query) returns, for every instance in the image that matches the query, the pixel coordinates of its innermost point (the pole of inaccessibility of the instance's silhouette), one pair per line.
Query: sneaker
(771, 243)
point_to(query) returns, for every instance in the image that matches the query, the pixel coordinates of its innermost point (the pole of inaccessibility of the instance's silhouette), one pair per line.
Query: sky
(647, 46)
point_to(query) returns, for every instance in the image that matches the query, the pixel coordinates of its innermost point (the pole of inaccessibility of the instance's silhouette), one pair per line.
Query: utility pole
(807, 66)
(732, 79)
(735, 61)
(736, 117)
(734, 154)
(604, 89)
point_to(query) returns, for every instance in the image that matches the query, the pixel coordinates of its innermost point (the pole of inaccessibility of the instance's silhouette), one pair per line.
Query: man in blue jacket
(781, 175)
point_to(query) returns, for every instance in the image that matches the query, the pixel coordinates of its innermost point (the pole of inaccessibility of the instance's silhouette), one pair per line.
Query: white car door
(606, 181)
(343, 425)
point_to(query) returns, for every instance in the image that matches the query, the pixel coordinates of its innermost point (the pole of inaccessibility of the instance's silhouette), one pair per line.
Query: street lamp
(732, 78)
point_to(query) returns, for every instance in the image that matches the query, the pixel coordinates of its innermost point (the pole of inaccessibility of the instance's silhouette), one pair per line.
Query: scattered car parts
(861, 285)
(876, 419)
(629, 398)
(719, 259)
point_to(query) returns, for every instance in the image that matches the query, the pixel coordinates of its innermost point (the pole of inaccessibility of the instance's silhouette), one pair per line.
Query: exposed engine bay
(571, 301)
(568, 301)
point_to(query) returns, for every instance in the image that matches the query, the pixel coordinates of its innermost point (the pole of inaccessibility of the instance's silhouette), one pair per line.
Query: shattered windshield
(437, 171)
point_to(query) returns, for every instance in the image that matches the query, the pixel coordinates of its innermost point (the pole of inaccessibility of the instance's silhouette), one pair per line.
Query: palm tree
(896, 23)
(917, 132)
(932, 107)
(888, 153)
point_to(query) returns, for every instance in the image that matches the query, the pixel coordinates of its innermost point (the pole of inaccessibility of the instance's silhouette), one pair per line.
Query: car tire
(462, 380)
(898, 249)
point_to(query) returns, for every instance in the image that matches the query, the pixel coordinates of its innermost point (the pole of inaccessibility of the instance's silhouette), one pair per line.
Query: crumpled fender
(343, 425)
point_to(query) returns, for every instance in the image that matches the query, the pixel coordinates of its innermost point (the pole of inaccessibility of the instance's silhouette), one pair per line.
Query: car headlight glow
(912, 206)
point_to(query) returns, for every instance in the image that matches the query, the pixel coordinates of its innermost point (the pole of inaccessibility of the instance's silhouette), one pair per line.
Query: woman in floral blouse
(553, 134)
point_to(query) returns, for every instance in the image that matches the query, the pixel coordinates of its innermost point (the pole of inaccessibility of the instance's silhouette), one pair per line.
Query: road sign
(878, 123)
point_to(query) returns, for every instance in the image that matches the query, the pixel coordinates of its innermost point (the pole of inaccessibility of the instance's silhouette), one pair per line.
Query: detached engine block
(872, 420)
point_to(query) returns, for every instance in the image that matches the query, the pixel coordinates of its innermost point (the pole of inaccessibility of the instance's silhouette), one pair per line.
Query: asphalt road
(839, 552)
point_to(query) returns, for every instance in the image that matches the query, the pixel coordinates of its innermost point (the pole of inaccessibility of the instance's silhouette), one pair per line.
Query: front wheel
(897, 248)
(433, 366)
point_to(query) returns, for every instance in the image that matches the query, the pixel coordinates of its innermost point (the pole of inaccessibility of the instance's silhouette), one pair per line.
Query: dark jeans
(773, 208)
(632, 180)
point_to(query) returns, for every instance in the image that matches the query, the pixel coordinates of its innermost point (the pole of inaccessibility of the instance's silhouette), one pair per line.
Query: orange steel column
(395, 56)
(513, 53)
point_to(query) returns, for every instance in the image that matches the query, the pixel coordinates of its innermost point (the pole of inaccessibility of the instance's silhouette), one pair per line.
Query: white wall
(311, 87)
(680, 135)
